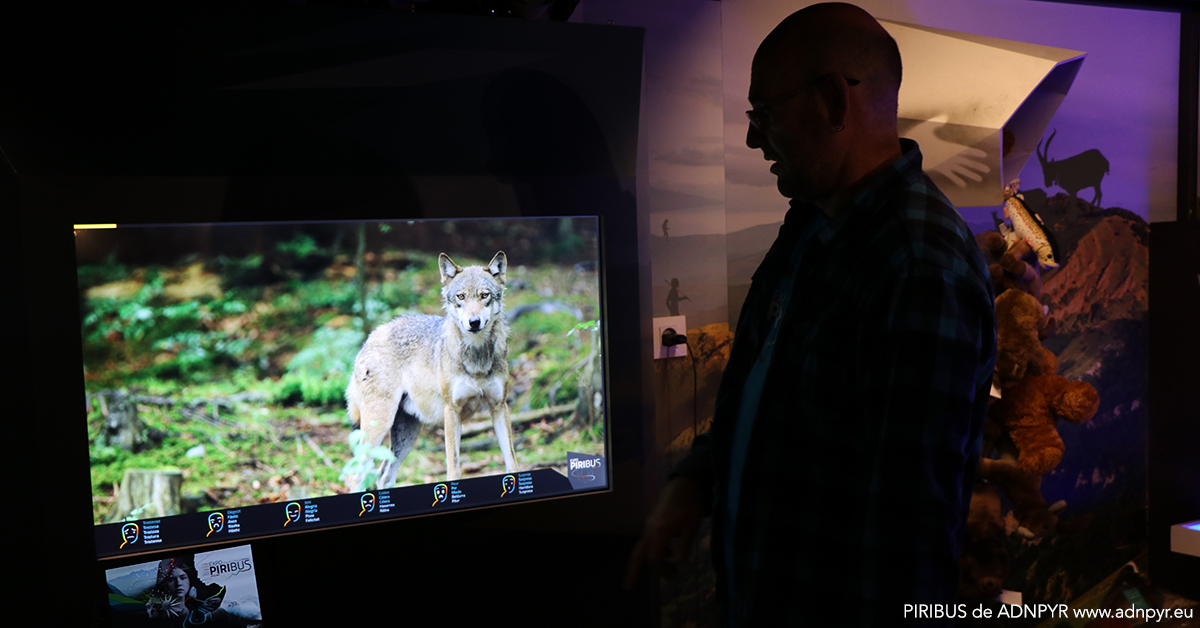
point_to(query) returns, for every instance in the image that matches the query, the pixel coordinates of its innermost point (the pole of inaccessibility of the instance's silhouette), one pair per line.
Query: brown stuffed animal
(1019, 316)
(1027, 413)
(1035, 519)
(984, 559)
(1015, 267)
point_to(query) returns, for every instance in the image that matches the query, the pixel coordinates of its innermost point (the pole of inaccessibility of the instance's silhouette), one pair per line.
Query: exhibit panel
(1071, 527)
(246, 208)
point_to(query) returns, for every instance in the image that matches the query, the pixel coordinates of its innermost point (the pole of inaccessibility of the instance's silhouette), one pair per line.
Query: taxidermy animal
(1028, 413)
(1026, 226)
(1019, 352)
(437, 369)
(984, 559)
(1072, 174)
(1035, 519)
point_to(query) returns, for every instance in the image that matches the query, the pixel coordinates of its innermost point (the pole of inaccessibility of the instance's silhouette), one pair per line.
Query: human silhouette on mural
(1072, 174)
(673, 297)
(666, 233)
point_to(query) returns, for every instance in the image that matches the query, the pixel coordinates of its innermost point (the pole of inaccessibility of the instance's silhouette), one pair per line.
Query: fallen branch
(317, 448)
(520, 418)
(225, 450)
(207, 410)
(198, 402)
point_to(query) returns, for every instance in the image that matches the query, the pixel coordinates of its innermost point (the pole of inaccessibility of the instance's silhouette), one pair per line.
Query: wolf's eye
(485, 294)
(460, 296)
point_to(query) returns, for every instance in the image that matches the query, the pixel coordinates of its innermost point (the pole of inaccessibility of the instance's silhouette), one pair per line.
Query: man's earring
(839, 128)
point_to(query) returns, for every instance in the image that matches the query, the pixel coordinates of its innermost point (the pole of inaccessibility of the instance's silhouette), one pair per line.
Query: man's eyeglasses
(758, 115)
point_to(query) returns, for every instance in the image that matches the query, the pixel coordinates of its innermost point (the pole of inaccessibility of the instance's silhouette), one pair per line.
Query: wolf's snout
(475, 323)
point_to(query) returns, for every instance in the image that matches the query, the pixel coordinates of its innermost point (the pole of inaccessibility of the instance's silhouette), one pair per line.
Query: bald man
(848, 423)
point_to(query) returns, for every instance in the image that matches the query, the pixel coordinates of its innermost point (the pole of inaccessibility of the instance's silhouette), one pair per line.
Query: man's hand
(670, 528)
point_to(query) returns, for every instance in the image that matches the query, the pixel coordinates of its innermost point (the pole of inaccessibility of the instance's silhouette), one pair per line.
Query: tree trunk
(122, 427)
(590, 406)
(148, 494)
(360, 274)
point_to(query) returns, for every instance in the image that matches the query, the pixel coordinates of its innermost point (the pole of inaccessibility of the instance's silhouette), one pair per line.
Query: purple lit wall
(723, 210)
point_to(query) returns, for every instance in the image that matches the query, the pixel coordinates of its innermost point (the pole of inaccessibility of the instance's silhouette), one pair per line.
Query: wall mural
(1070, 527)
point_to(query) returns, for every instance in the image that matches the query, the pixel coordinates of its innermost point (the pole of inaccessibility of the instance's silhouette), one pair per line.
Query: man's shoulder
(923, 227)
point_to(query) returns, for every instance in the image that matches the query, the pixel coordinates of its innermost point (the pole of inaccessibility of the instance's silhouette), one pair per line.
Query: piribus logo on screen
(585, 464)
(231, 567)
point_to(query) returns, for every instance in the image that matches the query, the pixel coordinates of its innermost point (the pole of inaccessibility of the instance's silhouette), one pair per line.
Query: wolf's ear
(498, 265)
(447, 267)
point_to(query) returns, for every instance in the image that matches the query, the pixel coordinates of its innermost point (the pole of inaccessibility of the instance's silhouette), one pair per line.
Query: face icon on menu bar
(368, 503)
(440, 492)
(509, 484)
(293, 513)
(216, 523)
(129, 534)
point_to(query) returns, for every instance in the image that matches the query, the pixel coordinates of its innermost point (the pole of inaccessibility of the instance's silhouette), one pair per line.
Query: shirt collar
(868, 201)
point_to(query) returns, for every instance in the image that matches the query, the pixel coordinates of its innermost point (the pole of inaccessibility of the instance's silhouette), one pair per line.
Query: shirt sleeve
(927, 356)
(698, 467)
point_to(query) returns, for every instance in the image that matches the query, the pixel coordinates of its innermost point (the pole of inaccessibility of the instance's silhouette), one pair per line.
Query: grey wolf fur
(429, 369)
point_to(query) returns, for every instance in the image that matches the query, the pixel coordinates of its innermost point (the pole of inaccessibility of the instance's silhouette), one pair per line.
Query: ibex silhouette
(1072, 174)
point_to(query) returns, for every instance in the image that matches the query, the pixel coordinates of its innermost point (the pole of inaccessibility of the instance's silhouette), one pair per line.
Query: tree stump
(590, 406)
(148, 494)
(122, 426)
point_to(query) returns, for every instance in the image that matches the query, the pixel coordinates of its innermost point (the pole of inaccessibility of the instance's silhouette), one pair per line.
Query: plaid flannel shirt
(863, 451)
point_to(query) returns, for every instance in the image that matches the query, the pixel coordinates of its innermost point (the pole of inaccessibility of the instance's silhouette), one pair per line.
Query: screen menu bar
(215, 526)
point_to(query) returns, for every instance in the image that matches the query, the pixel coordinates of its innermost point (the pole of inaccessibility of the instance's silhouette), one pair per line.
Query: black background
(110, 113)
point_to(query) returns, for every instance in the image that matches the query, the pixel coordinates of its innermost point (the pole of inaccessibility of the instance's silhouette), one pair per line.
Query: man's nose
(754, 137)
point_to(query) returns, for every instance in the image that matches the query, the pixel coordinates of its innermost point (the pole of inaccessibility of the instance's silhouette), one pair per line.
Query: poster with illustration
(217, 588)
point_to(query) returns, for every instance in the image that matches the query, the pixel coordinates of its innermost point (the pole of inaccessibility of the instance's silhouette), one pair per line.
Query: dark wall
(1174, 440)
(299, 113)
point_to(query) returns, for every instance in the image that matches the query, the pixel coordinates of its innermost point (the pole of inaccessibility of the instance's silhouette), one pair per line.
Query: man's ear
(837, 101)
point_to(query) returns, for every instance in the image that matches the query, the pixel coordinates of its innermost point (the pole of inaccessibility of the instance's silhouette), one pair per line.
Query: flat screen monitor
(253, 379)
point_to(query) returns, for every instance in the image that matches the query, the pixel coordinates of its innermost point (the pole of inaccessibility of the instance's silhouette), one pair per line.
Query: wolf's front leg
(453, 430)
(502, 424)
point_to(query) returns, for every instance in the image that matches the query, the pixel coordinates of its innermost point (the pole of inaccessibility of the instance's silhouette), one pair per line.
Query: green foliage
(547, 445)
(303, 296)
(91, 275)
(568, 243)
(104, 454)
(364, 462)
(593, 433)
(180, 336)
(591, 325)
(554, 324)
(246, 271)
(558, 353)
(266, 446)
(317, 375)
(130, 318)
(377, 311)
(301, 245)
(197, 353)
(392, 298)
